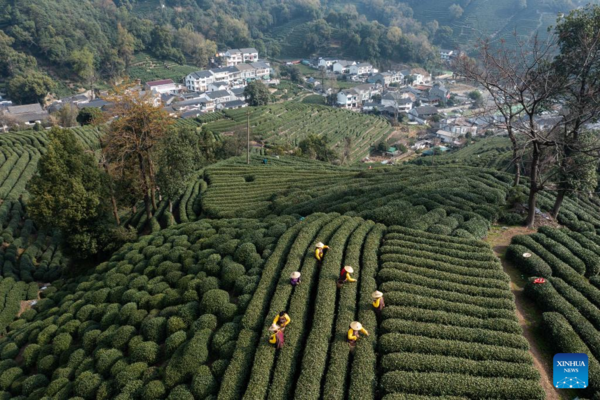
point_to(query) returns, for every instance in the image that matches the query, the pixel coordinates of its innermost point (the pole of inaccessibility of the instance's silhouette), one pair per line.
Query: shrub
(153, 390)
(218, 368)
(230, 273)
(30, 355)
(56, 386)
(203, 383)
(180, 392)
(147, 352)
(9, 351)
(154, 329)
(105, 359)
(9, 376)
(216, 302)
(532, 266)
(174, 341)
(175, 324)
(396, 342)
(455, 384)
(513, 219)
(130, 373)
(47, 364)
(33, 383)
(188, 358)
(207, 284)
(122, 337)
(427, 363)
(61, 343)
(87, 384)
(189, 312)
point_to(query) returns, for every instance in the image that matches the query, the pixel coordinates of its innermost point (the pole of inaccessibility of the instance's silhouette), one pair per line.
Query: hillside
(289, 123)
(183, 312)
(494, 19)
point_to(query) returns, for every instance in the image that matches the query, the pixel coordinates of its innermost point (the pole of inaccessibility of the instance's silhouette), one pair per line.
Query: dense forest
(88, 41)
(95, 40)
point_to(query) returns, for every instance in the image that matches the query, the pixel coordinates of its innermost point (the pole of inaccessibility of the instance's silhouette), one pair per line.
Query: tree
(317, 148)
(68, 193)
(477, 98)
(257, 94)
(456, 11)
(125, 45)
(89, 116)
(30, 87)
(579, 65)
(521, 81)
(66, 117)
(132, 139)
(82, 62)
(177, 161)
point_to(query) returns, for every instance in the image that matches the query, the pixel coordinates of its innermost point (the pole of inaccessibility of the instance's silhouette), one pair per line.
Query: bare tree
(522, 83)
(579, 64)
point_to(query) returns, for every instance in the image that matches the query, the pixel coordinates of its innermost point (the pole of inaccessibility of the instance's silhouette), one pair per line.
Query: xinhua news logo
(570, 371)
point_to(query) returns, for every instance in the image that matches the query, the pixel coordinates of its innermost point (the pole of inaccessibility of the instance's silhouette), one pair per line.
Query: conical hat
(320, 245)
(377, 294)
(357, 326)
(526, 255)
(274, 328)
(349, 269)
(295, 275)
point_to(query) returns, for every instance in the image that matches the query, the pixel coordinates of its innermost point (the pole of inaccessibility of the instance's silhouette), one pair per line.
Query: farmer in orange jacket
(320, 252)
(276, 336)
(354, 332)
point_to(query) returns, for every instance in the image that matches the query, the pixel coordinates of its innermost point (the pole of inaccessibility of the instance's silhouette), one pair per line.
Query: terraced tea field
(27, 254)
(289, 123)
(570, 297)
(186, 311)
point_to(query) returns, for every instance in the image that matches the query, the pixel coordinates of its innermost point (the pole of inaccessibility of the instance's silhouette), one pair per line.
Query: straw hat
(295, 275)
(349, 269)
(377, 294)
(526, 255)
(320, 245)
(357, 326)
(274, 328)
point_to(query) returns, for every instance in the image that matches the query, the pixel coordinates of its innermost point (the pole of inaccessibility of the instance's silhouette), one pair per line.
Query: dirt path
(527, 313)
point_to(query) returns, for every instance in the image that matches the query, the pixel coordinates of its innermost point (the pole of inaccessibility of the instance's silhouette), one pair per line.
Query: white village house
(387, 78)
(361, 69)
(343, 66)
(165, 86)
(234, 57)
(238, 75)
(398, 101)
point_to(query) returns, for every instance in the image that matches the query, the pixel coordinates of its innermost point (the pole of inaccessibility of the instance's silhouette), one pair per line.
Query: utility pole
(248, 130)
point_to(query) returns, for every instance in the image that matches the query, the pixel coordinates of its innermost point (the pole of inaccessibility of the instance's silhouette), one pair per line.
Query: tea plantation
(184, 312)
(570, 298)
(289, 123)
(27, 255)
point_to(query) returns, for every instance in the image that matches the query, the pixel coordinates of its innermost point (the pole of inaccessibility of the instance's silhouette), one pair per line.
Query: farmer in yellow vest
(345, 276)
(378, 302)
(282, 319)
(354, 332)
(320, 252)
(276, 336)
